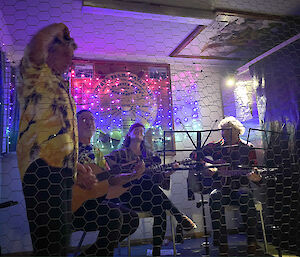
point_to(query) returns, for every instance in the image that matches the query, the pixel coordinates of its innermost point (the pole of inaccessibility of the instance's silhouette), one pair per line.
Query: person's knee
(158, 210)
(115, 214)
(215, 195)
(113, 220)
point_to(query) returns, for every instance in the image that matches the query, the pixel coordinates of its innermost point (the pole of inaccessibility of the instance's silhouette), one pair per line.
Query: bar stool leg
(258, 207)
(128, 246)
(264, 231)
(173, 234)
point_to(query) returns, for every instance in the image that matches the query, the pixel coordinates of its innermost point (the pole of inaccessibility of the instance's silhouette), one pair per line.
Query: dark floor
(192, 247)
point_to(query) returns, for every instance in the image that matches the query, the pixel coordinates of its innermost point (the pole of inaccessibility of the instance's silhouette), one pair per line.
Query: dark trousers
(145, 196)
(240, 197)
(113, 221)
(48, 195)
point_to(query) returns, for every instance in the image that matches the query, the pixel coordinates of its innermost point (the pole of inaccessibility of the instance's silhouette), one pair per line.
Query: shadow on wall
(14, 232)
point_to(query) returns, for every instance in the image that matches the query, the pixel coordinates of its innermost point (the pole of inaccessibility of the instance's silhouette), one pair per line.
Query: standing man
(47, 148)
(231, 189)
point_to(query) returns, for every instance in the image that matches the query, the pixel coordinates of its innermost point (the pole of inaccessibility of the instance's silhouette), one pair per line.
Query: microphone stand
(206, 243)
(210, 132)
(188, 134)
(202, 202)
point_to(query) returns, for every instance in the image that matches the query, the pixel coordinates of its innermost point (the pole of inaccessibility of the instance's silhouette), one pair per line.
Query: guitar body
(116, 191)
(80, 195)
(101, 188)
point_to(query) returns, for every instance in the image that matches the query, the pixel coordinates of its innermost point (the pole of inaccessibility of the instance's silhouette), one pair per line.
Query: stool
(143, 215)
(259, 208)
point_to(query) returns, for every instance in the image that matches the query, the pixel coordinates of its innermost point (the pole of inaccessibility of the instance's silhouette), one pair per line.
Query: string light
(117, 95)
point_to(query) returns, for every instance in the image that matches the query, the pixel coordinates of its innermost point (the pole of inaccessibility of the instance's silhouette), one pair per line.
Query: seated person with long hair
(145, 195)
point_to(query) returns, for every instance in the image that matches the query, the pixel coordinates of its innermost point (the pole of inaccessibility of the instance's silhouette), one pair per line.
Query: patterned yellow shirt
(48, 124)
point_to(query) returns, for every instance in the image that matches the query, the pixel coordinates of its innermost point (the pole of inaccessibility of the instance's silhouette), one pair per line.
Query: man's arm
(39, 45)
(253, 176)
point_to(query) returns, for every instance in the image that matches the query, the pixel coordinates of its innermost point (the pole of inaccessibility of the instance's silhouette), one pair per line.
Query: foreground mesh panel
(199, 97)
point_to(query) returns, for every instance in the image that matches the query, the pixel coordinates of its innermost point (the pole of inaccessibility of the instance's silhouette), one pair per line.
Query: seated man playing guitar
(91, 212)
(145, 194)
(231, 185)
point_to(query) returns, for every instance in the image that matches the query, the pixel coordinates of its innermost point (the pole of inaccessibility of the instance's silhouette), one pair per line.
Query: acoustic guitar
(202, 180)
(161, 168)
(102, 187)
(80, 195)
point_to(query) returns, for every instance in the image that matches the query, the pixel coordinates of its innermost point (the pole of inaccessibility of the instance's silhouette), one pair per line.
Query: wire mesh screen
(164, 149)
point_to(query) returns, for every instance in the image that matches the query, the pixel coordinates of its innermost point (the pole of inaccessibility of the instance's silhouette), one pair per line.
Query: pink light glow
(87, 92)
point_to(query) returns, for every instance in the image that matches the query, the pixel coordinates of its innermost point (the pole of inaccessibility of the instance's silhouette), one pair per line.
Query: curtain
(278, 90)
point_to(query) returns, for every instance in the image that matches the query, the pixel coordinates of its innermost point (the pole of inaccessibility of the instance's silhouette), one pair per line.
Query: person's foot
(187, 223)
(252, 248)
(223, 250)
(179, 234)
(156, 251)
(216, 242)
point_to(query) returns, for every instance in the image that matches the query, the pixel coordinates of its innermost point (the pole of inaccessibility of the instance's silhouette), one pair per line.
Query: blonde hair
(233, 123)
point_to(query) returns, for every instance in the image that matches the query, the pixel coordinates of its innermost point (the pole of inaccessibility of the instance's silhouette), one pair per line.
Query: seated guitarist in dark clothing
(146, 195)
(230, 188)
(114, 222)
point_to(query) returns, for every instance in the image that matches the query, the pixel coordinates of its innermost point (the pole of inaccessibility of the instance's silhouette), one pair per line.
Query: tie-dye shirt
(48, 124)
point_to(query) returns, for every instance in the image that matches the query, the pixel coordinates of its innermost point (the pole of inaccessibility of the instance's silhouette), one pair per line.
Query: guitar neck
(158, 167)
(236, 173)
(163, 167)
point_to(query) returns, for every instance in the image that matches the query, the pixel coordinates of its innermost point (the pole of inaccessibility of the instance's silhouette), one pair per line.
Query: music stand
(197, 148)
(199, 166)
